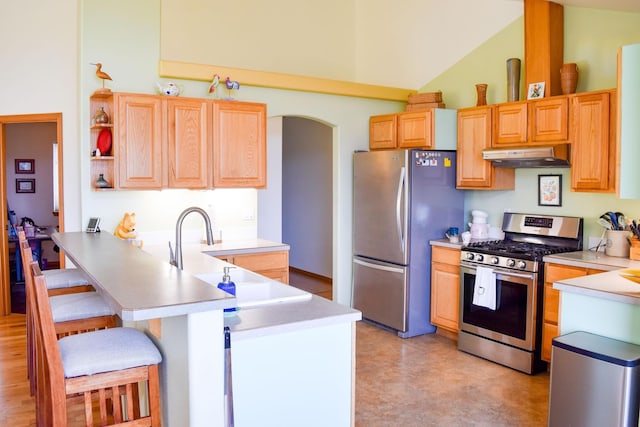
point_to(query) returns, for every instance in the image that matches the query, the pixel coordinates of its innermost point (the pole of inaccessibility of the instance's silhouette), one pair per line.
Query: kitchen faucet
(177, 260)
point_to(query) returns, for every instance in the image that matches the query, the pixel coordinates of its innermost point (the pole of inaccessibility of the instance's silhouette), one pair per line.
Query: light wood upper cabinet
(511, 124)
(549, 120)
(239, 144)
(176, 142)
(445, 288)
(187, 143)
(382, 131)
(474, 136)
(593, 139)
(429, 129)
(415, 129)
(139, 139)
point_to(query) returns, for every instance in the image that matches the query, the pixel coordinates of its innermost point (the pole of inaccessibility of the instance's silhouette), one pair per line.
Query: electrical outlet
(596, 242)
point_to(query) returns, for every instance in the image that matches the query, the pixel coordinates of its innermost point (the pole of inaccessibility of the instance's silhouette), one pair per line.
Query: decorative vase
(101, 117)
(569, 78)
(101, 182)
(481, 89)
(513, 79)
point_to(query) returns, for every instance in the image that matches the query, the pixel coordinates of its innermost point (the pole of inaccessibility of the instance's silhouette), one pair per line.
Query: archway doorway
(5, 121)
(297, 206)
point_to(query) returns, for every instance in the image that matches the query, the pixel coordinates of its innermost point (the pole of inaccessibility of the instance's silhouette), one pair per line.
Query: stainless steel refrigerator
(402, 199)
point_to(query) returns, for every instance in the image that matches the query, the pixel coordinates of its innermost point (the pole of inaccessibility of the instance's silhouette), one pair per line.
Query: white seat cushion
(81, 305)
(65, 278)
(106, 350)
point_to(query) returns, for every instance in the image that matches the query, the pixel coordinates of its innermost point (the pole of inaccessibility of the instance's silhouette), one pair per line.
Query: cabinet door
(187, 142)
(549, 120)
(445, 296)
(382, 131)
(551, 303)
(239, 144)
(592, 150)
(474, 136)
(415, 129)
(139, 141)
(511, 124)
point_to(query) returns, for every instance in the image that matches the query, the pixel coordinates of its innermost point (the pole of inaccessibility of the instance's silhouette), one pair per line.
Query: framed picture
(25, 166)
(550, 190)
(25, 185)
(536, 90)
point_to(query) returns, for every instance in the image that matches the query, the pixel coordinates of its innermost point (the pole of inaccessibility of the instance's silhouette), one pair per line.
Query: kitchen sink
(254, 290)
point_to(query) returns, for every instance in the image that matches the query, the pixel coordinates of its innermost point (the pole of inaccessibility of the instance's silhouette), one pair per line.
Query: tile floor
(426, 381)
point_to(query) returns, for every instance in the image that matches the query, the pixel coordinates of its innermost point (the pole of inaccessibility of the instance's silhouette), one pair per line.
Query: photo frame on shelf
(25, 185)
(536, 90)
(549, 190)
(25, 166)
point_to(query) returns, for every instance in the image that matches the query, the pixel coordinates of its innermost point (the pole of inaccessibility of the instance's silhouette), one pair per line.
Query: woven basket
(419, 98)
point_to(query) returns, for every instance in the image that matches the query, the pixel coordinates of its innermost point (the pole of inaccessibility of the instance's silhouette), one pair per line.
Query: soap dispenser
(228, 286)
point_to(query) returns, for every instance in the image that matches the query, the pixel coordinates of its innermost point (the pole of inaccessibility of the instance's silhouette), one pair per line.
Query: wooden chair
(102, 367)
(62, 280)
(72, 313)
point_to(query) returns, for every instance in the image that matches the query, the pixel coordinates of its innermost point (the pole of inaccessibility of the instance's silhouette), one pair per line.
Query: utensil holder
(634, 250)
(617, 243)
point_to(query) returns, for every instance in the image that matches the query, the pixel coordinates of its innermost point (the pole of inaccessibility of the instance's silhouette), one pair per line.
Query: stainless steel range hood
(556, 156)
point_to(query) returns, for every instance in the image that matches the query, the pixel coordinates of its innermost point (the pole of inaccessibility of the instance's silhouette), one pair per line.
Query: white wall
(307, 209)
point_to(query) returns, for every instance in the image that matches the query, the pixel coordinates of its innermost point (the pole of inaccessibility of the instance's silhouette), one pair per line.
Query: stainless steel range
(501, 288)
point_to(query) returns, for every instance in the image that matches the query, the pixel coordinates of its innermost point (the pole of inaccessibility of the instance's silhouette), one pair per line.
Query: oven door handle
(512, 274)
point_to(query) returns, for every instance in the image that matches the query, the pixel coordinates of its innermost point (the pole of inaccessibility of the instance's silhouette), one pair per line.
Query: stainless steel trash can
(595, 381)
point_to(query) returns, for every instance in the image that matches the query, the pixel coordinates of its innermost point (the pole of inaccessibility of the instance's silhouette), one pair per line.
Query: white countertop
(137, 285)
(268, 319)
(141, 284)
(591, 259)
(609, 285)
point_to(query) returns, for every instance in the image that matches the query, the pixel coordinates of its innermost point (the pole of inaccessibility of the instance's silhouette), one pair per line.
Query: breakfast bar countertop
(138, 285)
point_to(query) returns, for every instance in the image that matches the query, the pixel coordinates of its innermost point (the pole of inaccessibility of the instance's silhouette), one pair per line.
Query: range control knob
(494, 260)
(479, 257)
(470, 256)
(511, 263)
(522, 264)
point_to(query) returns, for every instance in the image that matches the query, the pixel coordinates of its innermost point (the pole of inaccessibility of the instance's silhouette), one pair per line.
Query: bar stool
(72, 313)
(62, 280)
(104, 365)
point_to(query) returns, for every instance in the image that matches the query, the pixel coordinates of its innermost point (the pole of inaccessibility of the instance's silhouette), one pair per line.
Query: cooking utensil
(614, 220)
(605, 221)
(622, 222)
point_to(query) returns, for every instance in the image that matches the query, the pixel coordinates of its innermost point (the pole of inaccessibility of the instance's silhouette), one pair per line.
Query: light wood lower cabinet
(551, 305)
(445, 288)
(274, 265)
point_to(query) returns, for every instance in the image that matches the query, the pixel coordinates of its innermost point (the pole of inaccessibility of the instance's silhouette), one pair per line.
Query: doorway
(297, 206)
(55, 119)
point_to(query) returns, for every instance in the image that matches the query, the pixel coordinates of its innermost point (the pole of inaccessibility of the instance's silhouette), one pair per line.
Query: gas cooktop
(515, 249)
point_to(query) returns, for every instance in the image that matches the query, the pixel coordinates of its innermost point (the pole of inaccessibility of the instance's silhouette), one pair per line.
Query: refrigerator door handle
(378, 266)
(401, 183)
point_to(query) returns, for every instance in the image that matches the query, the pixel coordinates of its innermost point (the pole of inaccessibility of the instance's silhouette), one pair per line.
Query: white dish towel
(484, 289)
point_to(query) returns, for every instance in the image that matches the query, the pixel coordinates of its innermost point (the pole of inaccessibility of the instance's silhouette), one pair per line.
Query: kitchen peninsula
(293, 362)
(605, 304)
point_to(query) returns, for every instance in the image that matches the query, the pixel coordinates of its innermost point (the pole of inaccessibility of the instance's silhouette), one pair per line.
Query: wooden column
(543, 44)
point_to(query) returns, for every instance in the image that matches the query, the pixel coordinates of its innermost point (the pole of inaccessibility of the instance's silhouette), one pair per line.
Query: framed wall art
(25, 185)
(550, 190)
(25, 166)
(536, 90)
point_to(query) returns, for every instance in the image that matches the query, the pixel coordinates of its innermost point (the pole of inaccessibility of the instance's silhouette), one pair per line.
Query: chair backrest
(21, 234)
(27, 257)
(51, 382)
